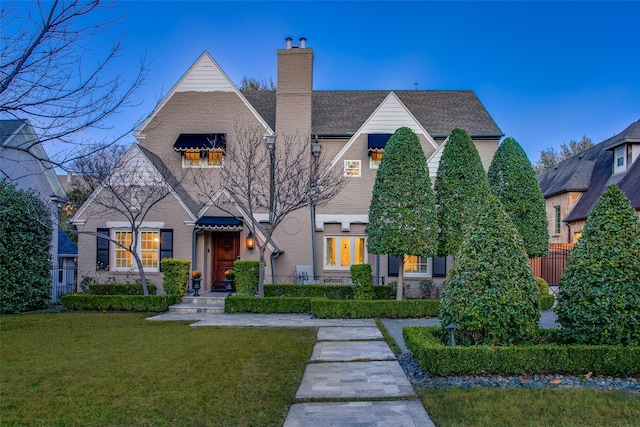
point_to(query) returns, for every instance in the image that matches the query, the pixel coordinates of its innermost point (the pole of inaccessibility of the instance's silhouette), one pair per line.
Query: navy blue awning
(219, 223)
(201, 141)
(377, 141)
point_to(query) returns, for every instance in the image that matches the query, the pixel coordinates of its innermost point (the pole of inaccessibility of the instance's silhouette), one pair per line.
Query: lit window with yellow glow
(149, 245)
(123, 256)
(340, 253)
(416, 265)
(376, 159)
(352, 168)
(214, 158)
(192, 158)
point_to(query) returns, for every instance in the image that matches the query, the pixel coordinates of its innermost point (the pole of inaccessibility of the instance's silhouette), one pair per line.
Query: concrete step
(183, 308)
(204, 300)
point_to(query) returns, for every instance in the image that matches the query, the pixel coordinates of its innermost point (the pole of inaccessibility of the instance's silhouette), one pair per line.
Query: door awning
(200, 141)
(219, 223)
(377, 141)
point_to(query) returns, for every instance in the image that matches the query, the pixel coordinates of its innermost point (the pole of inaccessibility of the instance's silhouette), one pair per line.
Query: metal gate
(551, 267)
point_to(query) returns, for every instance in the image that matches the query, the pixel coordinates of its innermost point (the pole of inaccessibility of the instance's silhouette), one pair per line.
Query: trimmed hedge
(334, 292)
(247, 304)
(363, 281)
(175, 280)
(546, 301)
(121, 289)
(329, 309)
(439, 359)
(246, 275)
(145, 303)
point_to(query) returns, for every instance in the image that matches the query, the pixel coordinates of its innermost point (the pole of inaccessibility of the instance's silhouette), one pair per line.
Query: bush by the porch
(363, 281)
(339, 292)
(247, 304)
(121, 288)
(176, 276)
(425, 342)
(247, 277)
(353, 309)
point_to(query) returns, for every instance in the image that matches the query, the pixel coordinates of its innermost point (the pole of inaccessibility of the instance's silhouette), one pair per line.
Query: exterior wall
(486, 149)
(566, 201)
(168, 212)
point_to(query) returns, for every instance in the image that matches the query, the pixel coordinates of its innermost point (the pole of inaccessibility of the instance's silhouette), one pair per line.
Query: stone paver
(401, 413)
(349, 333)
(350, 380)
(272, 320)
(347, 351)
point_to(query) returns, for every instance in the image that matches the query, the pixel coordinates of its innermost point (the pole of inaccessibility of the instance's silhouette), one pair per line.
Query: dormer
(625, 148)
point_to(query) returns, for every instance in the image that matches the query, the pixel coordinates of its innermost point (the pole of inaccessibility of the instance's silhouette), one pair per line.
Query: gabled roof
(8, 128)
(591, 172)
(344, 112)
(630, 134)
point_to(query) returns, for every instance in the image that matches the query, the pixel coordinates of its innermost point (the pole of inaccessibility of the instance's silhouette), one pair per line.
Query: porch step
(201, 304)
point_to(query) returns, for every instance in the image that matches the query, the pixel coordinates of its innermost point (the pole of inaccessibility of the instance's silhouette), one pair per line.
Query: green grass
(114, 369)
(540, 407)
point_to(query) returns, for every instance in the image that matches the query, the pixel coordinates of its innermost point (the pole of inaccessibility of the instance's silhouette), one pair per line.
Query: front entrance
(226, 250)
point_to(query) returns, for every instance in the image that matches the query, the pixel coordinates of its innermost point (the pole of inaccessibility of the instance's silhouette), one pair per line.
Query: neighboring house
(195, 123)
(64, 280)
(572, 188)
(32, 171)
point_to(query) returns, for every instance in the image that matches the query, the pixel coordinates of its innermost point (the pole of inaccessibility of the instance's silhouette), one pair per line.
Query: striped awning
(219, 223)
(200, 141)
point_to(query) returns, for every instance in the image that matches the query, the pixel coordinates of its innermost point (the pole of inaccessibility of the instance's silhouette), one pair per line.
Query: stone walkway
(350, 362)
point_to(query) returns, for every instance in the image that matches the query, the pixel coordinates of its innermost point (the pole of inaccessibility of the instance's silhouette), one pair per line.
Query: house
(572, 188)
(195, 123)
(32, 171)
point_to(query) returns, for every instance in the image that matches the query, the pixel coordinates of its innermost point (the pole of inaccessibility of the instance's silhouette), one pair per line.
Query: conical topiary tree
(599, 301)
(491, 294)
(461, 186)
(513, 180)
(402, 218)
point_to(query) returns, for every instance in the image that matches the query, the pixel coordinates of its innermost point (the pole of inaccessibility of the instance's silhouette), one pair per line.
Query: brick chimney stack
(293, 96)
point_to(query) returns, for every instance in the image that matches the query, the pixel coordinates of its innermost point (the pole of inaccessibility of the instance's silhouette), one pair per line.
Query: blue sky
(547, 72)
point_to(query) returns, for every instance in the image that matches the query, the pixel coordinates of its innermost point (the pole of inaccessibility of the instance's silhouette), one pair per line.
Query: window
(417, 265)
(211, 158)
(352, 168)
(620, 156)
(375, 159)
(123, 256)
(557, 219)
(153, 246)
(340, 253)
(576, 236)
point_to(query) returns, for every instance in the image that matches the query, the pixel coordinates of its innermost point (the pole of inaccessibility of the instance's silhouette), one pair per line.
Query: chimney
(293, 95)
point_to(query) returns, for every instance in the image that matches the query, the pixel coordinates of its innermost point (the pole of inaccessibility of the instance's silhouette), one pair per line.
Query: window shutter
(393, 265)
(439, 266)
(102, 249)
(166, 245)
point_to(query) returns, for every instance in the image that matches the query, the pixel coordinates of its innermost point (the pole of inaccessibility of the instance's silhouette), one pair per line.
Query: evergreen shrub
(121, 288)
(491, 294)
(426, 344)
(542, 285)
(363, 281)
(354, 309)
(25, 257)
(247, 275)
(142, 303)
(546, 301)
(249, 304)
(176, 276)
(339, 292)
(599, 299)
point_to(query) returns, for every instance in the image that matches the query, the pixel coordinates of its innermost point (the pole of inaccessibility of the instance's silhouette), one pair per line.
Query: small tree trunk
(143, 278)
(262, 272)
(400, 289)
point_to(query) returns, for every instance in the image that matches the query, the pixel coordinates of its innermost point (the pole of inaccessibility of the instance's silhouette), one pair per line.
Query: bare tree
(48, 77)
(549, 157)
(280, 181)
(130, 189)
(249, 84)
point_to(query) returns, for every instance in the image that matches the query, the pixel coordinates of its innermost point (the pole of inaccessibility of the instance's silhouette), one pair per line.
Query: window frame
(337, 251)
(350, 165)
(421, 260)
(203, 158)
(557, 220)
(139, 250)
(620, 157)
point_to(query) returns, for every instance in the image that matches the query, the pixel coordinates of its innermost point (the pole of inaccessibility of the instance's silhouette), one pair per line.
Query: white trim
(364, 128)
(434, 160)
(345, 220)
(143, 224)
(352, 175)
(179, 87)
(428, 262)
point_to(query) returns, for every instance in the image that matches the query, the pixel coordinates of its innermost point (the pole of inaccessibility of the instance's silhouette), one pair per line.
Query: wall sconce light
(250, 241)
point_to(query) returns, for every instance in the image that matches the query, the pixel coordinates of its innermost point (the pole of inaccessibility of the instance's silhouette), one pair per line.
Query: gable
(205, 75)
(390, 115)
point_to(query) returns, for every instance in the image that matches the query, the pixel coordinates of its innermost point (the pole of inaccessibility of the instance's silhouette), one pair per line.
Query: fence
(551, 267)
(64, 281)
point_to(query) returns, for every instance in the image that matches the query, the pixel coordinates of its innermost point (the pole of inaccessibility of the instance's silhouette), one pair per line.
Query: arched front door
(226, 250)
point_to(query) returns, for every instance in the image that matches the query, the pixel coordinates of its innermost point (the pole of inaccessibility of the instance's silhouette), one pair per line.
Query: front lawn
(114, 369)
(477, 407)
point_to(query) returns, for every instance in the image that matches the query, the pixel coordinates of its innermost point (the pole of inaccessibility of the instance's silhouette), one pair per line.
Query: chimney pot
(288, 40)
(303, 42)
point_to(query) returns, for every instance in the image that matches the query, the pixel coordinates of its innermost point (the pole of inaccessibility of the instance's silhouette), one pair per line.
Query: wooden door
(226, 249)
